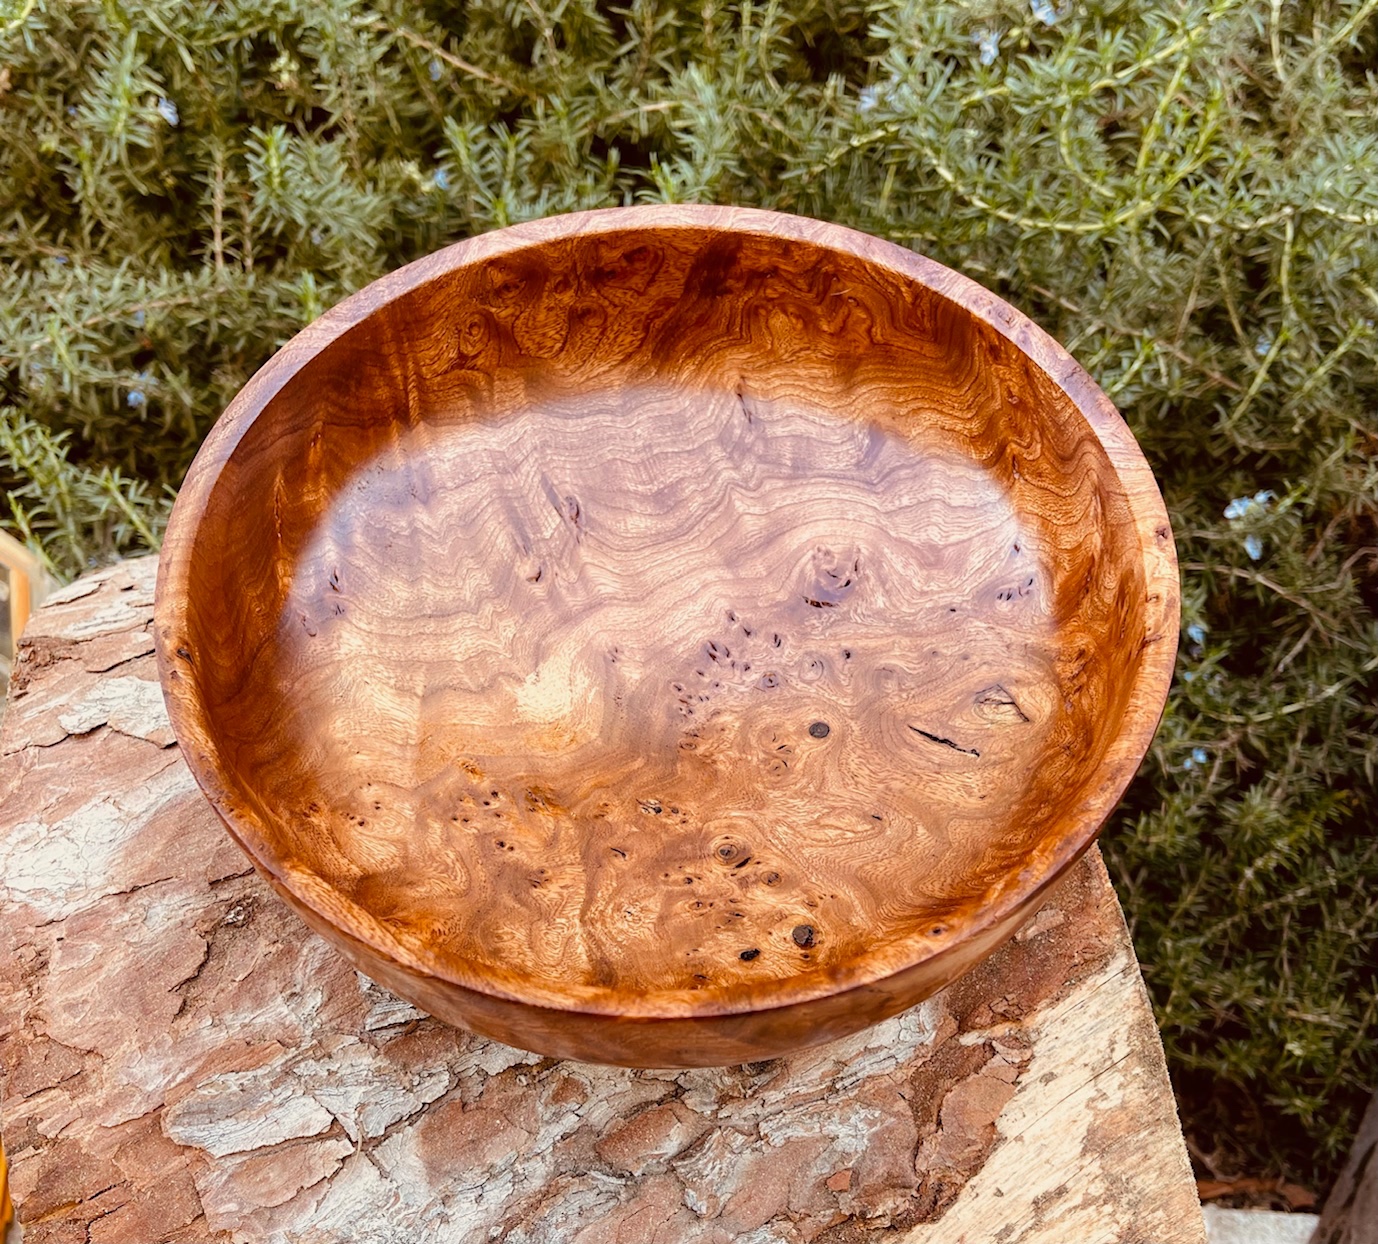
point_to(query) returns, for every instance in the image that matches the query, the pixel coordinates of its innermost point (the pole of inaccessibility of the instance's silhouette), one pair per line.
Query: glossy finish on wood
(667, 636)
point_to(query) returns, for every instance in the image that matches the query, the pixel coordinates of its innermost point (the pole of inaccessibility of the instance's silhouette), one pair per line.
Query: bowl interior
(666, 613)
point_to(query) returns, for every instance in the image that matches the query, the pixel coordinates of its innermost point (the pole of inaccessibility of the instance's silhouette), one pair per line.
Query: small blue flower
(59, 259)
(1187, 763)
(1044, 11)
(441, 179)
(139, 318)
(1253, 546)
(1263, 345)
(1188, 675)
(868, 99)
(1240, 506)
(434, 69)
(988, 44)
(1198, 754)
(134, 398)
(1196, 633)
(317, 237)
(168, 111)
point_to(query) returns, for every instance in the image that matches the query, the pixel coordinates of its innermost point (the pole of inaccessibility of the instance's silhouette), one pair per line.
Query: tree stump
(185, 1062)
(1350, 1215)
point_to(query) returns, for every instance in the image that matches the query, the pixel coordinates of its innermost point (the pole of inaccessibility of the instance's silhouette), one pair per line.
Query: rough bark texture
(184, 1062)
(1351, 1210)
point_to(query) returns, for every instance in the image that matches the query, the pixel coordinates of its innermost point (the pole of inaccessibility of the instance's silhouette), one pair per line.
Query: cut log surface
(184, 1061)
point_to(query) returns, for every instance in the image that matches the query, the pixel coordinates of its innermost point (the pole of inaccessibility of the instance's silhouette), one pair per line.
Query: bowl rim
(879, 963)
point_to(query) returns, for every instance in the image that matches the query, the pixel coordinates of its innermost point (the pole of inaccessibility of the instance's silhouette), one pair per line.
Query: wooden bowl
(667, 636)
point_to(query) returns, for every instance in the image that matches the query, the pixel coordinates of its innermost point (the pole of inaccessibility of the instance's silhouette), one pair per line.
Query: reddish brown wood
(667, 636)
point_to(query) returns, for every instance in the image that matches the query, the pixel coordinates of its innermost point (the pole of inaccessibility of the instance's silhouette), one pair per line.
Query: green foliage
(1184, 191)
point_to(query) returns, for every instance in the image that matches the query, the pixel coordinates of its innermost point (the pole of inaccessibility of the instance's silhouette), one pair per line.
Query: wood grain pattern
(180, 1065)
(667, 636)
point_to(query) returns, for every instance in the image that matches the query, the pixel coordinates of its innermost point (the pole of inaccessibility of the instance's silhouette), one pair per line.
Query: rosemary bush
(1183, 191)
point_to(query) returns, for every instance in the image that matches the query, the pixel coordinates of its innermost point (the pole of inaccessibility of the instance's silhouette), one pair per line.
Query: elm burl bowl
(667, 636)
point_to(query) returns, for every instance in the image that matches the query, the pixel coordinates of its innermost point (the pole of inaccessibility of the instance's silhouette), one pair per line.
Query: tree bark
(1351, 1210)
